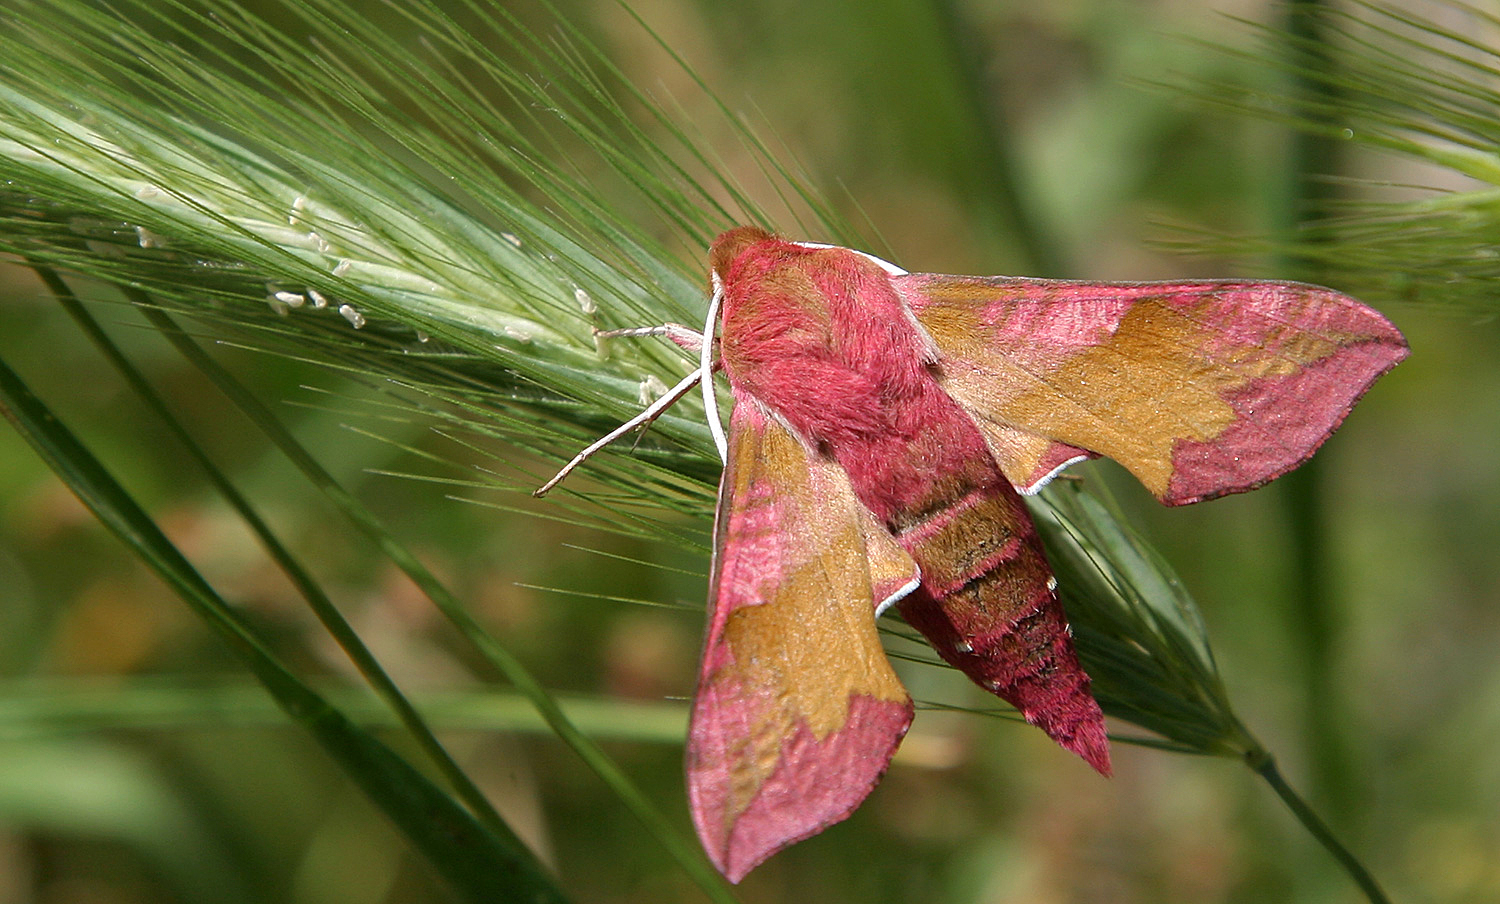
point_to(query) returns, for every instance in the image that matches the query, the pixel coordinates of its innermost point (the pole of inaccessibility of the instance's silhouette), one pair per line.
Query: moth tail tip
(1081, 732)
(1086, 736)
(1092, 744)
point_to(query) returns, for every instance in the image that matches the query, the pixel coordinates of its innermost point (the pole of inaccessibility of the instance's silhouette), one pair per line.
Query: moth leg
(651, 413)
(684, 337)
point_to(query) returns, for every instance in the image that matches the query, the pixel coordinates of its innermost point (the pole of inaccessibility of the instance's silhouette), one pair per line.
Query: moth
(885, 428)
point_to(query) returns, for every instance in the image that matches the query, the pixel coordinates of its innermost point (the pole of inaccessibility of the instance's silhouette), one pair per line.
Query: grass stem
(1264, 765)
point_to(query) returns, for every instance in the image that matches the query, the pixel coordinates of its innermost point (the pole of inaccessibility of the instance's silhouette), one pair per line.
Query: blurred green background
(138, 762)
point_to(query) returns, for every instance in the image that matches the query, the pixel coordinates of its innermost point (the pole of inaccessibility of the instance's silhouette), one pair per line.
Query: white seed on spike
(147, 192)
(355, 318)
(343, 267)
(423, 337)
(318, 300)
(299, 204)
(149, 239)
(519, 335)
(585, 303)
(510, 238)
(290, 299)
(652, 388)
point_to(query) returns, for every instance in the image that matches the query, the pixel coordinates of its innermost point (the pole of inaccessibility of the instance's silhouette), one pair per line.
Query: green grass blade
(36, 706)
(686, 851)
(481, 865)
(1311, 609)
(317, 600)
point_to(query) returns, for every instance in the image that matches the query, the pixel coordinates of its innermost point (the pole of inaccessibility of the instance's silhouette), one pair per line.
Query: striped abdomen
(988, 606)
(987, 601)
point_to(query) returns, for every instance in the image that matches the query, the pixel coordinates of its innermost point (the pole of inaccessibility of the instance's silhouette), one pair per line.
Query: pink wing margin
(798, 712)
(1199, 389)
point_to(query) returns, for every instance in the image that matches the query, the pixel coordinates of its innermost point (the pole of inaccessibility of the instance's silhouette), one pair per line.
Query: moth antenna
(681, 336)
(706, 369)
(651, 413)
